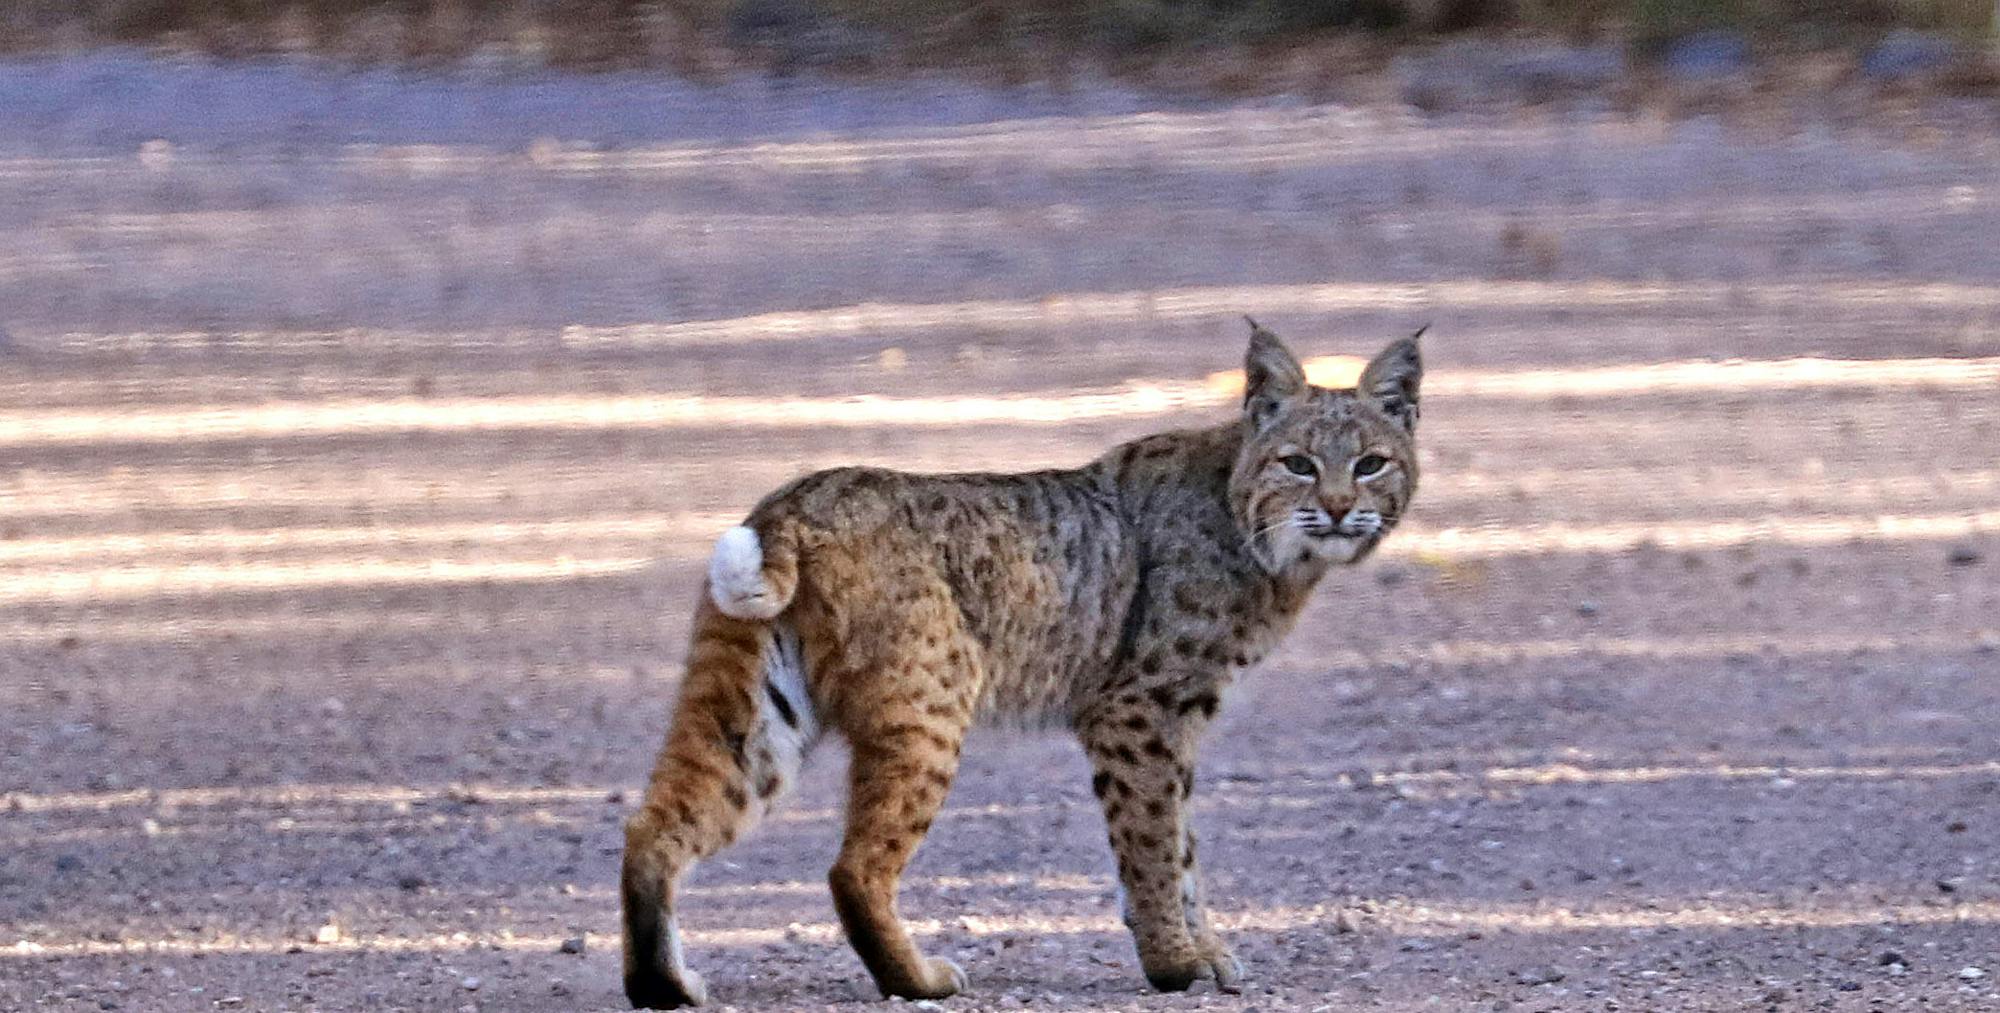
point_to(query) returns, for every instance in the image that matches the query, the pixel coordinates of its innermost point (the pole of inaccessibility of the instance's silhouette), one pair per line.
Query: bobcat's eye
(1369, 464)
(1299, 464)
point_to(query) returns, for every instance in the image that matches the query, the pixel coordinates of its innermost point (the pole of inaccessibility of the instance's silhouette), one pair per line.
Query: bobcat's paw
(650, 989)
(1225, 969)
(1217, 965)
(942, 980)
(947, 977)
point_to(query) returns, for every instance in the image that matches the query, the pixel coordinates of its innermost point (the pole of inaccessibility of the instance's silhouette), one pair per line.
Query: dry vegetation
(1031, 36)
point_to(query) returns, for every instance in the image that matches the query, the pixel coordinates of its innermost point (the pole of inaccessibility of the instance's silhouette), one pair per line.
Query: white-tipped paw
(948, 975)
(1227, 970)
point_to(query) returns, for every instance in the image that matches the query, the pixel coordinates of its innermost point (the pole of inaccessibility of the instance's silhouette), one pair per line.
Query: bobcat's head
(1324, 474)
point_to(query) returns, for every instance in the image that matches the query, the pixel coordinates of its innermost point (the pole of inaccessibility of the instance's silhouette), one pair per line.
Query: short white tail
(736, 577)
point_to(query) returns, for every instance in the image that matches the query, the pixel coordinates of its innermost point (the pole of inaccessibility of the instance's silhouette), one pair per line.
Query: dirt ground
(357, 467)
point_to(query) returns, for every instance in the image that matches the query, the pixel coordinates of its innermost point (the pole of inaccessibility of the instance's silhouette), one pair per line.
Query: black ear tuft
(1393, 377)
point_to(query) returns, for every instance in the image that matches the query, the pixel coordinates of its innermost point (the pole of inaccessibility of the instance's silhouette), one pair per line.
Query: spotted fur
(1117, 599)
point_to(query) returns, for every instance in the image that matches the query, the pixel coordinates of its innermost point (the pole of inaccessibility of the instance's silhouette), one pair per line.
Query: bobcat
(1116, 599)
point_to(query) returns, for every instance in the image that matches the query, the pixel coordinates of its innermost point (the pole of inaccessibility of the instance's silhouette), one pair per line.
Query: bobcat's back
(1025, 577)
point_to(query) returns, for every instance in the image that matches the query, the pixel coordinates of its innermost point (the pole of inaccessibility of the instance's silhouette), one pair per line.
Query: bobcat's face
(1324, 474)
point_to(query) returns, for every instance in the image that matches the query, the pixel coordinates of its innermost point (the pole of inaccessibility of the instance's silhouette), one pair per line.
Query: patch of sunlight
(1137, 400)
(1492, 541)
(221, 578)
(289, 796)
(1569, 773)
(1479, 652)
(1057, 311)
(1389, 916)
(666, 539)
(370, 536)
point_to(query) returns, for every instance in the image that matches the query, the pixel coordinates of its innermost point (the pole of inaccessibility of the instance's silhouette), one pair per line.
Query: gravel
(385, 695)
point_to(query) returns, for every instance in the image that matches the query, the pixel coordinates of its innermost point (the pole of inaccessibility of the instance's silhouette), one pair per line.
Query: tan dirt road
(353, 495)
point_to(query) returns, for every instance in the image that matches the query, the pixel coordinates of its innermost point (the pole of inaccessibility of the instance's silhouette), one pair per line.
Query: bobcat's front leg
(1142, 746)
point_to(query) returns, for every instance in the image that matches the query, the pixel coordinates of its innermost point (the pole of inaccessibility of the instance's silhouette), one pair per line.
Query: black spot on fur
(783, 705)
(1206, 703)
(1100, 783)
(1187, 600)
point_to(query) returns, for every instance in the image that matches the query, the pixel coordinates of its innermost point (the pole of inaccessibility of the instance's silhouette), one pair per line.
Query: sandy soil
(356, 468)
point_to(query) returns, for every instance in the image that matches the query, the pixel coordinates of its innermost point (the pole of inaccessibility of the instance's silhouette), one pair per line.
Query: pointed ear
(1272, 378)
(1391, 380)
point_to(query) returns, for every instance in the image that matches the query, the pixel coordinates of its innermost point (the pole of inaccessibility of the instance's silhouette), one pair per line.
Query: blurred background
(375, 377)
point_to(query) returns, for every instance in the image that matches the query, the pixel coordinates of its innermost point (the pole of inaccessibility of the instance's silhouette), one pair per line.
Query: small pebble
(1539, 976)
(327, 934)
(573, 944)
(1971, 973)
(1962, 555)
(470, 984)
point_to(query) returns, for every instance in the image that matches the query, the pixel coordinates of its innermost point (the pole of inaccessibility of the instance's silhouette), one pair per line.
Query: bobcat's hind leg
(740, 734)
(906, 751)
